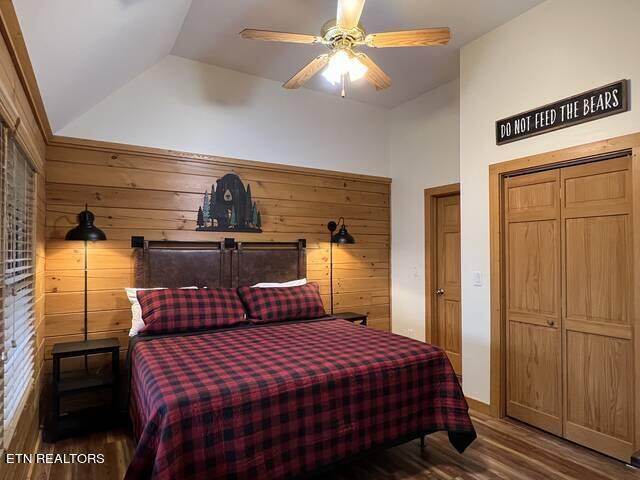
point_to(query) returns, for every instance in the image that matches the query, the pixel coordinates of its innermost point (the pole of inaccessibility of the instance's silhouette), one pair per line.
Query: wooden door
(597, 308)
(448, 325)
(533, 300)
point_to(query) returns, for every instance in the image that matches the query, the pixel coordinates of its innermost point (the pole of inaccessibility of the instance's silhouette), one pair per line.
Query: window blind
(17, 272)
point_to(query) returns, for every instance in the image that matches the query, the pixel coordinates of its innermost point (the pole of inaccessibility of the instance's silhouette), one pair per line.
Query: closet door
(597, 309)
(533, 299)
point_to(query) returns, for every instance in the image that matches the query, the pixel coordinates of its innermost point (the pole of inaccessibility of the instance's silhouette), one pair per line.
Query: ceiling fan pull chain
(343, 94)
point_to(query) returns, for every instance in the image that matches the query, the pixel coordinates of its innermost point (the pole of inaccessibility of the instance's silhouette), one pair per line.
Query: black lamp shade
(343, 236)
(86, 230)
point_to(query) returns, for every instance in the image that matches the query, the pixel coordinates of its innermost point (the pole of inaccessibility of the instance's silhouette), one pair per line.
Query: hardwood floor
(505, 449)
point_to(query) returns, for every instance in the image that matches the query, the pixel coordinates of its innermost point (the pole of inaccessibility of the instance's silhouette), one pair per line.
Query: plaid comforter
(278, 401)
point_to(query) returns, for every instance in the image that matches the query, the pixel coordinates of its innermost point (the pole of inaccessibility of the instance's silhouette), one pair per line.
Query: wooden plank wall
(16, 109)
(156, 194)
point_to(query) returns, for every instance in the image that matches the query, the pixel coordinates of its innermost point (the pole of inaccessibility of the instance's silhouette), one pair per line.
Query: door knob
(551, 323)
(440, 291)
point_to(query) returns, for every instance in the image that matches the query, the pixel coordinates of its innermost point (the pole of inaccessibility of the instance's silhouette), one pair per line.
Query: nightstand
(70, 384)
(352, 317)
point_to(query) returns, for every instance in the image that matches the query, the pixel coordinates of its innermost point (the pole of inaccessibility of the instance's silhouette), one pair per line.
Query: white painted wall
(424, 152)
(560, 48)
(190, 106)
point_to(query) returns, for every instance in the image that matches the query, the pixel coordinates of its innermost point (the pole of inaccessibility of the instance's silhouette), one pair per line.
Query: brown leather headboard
(255, 262)
(217, 264)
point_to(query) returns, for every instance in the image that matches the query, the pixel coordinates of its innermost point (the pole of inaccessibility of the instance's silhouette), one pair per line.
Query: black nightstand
(352, 317)
(62, 424)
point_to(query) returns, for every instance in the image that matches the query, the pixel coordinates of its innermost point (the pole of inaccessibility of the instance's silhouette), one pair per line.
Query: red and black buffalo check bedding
(266, 305)
(281, 400)
(173, 310)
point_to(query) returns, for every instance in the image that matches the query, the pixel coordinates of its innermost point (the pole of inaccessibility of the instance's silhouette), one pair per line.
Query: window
(17, 274)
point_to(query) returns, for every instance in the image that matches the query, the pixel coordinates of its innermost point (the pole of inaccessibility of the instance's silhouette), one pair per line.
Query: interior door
(533, 299)
(448, 325)
(597, 310)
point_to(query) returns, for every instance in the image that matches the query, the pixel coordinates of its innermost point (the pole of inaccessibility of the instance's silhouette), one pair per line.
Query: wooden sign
(585, 107)
(229, 207)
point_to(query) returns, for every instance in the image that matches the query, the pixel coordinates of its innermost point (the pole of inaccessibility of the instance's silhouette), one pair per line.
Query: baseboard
(478, 406)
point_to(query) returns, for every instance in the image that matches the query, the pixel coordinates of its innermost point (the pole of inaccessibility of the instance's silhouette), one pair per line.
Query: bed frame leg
(422, 443)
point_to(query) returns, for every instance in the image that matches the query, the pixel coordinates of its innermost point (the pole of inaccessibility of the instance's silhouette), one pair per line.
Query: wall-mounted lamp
(85, 231)
(342, 237)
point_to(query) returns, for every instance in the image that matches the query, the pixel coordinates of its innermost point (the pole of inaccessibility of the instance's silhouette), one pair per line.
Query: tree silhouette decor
(229, 207)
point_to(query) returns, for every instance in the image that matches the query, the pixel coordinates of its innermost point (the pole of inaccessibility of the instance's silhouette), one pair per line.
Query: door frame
(629, 144)
(431, 196)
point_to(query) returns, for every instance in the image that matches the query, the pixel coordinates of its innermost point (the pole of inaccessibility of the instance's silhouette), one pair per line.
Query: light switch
(477, 279)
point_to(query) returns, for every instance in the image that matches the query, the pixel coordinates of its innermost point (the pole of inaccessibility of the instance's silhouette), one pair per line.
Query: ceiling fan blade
(307, 72)
(349, 13)
(410, 38)
(375, 75)
(268, 36)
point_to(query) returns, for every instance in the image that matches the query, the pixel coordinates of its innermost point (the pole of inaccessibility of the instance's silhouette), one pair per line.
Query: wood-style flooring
(505, 449)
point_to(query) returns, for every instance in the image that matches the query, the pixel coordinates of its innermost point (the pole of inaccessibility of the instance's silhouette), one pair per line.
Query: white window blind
(17, 271)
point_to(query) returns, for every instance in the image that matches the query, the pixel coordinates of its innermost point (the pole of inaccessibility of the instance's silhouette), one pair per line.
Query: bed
(276, 400)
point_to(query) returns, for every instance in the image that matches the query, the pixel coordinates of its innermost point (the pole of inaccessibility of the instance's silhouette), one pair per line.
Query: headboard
(216, 264)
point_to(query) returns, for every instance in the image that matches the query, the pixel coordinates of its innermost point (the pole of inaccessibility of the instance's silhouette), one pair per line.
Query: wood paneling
(156, 194)
(17, 108)
(18, 49)
(15, 100)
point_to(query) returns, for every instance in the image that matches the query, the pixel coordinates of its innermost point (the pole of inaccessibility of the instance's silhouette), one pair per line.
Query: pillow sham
(292, 283)
(175, 310)
(136, 312)
(266, 305)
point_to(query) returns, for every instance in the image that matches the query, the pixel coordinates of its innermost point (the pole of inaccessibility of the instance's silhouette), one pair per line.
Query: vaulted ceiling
(83, 50)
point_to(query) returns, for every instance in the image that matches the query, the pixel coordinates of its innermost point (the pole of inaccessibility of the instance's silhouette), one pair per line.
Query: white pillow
(292, 283)
(137, 323)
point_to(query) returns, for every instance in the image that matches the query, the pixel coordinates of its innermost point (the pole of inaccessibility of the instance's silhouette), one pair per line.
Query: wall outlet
(477, 279)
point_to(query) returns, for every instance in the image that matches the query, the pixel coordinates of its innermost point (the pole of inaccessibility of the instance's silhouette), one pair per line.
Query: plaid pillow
(174, 310)
(278, 304)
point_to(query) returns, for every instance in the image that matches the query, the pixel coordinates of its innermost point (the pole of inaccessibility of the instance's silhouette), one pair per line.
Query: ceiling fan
(341, 35)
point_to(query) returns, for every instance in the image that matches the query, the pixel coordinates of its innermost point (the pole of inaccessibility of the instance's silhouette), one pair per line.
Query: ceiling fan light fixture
(357, 69)
(341, 36)
(344, 62)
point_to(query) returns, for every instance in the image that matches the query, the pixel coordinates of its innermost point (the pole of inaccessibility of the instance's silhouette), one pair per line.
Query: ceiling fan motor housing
(337, 37)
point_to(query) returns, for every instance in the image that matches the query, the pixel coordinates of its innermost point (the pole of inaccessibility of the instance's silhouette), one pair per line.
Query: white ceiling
(210, 35)
(83, 50)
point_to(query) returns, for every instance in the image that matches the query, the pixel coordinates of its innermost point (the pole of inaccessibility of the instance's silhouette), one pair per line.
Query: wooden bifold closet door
(568, 248)
(534, 353)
